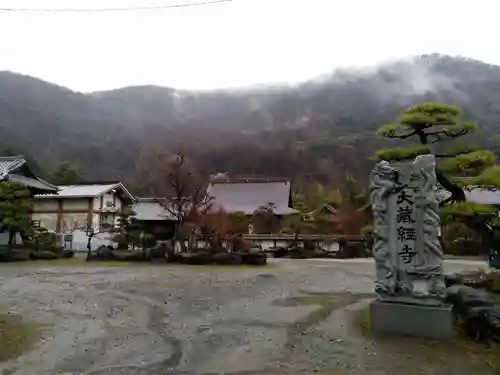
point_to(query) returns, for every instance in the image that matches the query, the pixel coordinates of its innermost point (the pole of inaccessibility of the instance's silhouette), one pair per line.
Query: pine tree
(16, 204)
(436, 127)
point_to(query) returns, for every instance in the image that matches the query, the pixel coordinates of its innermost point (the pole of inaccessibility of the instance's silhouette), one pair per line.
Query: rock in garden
(105, 253)
(482, 323)
(233, 259)
(453, 279)
(43, 255)
(463, 297)
(254, 257)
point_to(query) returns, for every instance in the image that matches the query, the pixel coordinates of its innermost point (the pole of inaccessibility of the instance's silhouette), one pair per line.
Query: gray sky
(234, 44)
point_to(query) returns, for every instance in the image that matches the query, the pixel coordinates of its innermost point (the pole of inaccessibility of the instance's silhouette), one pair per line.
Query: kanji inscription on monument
(406, 247)
(406, 236)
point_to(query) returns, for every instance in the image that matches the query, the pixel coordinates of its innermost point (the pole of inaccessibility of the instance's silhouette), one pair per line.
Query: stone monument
(407, 252)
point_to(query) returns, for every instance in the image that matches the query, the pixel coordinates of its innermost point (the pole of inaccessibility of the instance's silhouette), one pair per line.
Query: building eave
(104, 190)
(120, 186)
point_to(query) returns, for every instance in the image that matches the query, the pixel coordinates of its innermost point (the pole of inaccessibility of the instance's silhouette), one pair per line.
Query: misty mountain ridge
(106, 131)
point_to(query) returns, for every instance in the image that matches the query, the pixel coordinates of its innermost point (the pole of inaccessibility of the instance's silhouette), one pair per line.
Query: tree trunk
(10, 243)
(89, 249)
(457, 193)
(12, 235)
(488, 237)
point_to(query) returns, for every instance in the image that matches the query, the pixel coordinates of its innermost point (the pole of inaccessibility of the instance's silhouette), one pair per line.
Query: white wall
(80, 241)
(72, 221)
(4, 238)
(268, 244)
(118, 204)
(69, 222)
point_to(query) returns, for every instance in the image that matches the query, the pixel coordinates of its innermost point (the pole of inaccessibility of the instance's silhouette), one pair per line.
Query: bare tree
(214, 225)
(91, 232)
(185, 191)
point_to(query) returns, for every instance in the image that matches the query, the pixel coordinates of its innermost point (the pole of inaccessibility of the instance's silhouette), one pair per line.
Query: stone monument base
(434, 322)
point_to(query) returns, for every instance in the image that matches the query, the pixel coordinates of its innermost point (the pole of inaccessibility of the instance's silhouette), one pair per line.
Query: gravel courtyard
(294, 316)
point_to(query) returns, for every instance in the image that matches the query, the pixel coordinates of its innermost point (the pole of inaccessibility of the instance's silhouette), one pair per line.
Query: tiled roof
(10, 164)
(87, 190)
(150, 209)
(247, 195)
(477, 195)
(324, 207)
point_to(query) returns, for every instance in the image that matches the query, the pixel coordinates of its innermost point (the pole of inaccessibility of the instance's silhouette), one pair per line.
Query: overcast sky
(232, 44)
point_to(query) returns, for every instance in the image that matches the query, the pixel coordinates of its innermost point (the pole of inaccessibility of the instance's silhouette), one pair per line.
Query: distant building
(346, 219)
(16, 169)
(81, 206)
(246, 195)
(324, 211)
(154, 218)
(476, 194)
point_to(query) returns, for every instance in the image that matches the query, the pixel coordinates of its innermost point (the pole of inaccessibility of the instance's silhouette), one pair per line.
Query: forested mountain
(315, 130)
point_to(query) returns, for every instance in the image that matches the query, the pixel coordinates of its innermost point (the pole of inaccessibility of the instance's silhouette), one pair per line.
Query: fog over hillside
(107, 131)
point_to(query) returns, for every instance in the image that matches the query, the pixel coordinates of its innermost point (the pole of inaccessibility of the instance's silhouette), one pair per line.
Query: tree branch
(457, 193)
(447, 133)
(452, 155)
(393, 135)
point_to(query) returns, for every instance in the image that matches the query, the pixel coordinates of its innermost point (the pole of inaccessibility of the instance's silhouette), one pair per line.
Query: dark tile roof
(11, 168)
(248, 194)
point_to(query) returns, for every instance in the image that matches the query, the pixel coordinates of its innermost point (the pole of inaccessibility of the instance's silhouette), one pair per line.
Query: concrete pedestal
(435, 322)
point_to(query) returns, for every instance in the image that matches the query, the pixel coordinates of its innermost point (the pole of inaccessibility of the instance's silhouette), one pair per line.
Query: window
(106, 221)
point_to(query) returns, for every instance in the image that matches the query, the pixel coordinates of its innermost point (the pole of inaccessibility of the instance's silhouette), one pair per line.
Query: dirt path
(294, 316)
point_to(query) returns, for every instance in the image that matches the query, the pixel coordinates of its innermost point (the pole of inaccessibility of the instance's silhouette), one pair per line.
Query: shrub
(67, 254)
(228, 258)
(280, 252)
(43, 255)
(14, 255)
(135, 256)
(460, 240)
(240, 244)
(298, 253)
(254, 258)
(353, 250)
(105, 253)
(494, 281)
(197, 258)
(286, 230)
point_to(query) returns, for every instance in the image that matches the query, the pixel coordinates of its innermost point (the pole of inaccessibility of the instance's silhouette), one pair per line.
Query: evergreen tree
(436, 127)
(352, 192)
(16, 204)
(129, 230)
(67, 173)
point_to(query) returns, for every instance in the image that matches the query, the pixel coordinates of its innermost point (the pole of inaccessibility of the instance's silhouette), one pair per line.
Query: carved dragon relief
(383, 183)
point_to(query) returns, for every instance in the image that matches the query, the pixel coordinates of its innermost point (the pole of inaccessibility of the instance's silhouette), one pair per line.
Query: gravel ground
(293, 316)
